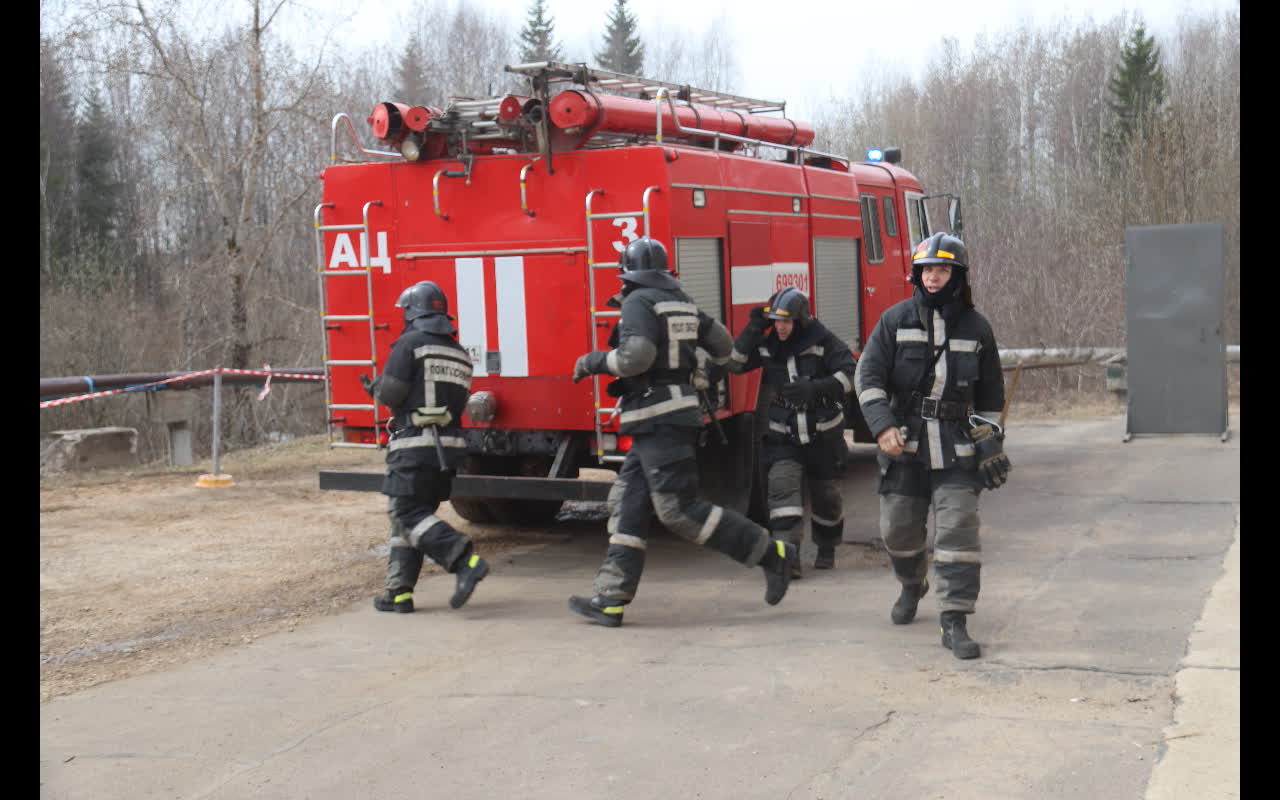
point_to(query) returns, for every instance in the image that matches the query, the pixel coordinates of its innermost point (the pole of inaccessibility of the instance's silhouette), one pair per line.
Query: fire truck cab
(518, 207)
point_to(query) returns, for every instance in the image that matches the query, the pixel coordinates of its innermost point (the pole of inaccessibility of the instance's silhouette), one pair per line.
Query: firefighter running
(425, 383)
(929, 363)
(807, 371)
(653, 356)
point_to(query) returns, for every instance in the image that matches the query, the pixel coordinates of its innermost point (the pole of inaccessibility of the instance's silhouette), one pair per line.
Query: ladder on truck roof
(645, 88)
(543, 74)
(326, 319)
(596, 315)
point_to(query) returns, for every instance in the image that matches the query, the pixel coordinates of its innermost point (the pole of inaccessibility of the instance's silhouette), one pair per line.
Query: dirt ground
(141, 570)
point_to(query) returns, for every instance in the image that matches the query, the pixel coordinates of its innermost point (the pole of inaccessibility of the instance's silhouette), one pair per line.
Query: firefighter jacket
(811, 354)
(658, 336)
(898, 382)
(427, 368)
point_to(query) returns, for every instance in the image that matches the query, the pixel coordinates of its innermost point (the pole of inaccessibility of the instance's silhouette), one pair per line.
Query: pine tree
(623, 51)
(413, 87)
(1137, 87)
(99, 193)
(537, 39)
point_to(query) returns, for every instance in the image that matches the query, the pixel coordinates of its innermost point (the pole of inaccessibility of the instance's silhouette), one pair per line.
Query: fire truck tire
(513, 511)
(472, 509)
(731, 475)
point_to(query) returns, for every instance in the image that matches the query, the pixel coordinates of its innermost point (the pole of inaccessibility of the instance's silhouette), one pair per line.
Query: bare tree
(225, 143)
(680, 55)
(1016, 123)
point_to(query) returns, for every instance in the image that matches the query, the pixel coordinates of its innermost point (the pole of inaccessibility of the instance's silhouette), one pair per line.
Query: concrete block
(89, 448)
(171, 406)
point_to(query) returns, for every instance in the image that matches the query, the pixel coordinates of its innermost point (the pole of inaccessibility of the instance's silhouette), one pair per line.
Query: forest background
(179, 156)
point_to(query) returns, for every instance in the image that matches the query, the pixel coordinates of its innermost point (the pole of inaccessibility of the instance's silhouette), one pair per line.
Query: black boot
(904, 610)
(597, 609)
(400, 600)
(778, 562)
(955, 637)
(826, 557)
(472, 571)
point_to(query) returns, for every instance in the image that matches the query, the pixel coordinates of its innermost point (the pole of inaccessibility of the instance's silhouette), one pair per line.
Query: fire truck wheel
(472, 509)
(523, 511)
(730, 474)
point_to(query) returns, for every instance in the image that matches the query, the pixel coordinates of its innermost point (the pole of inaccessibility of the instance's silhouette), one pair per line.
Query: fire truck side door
(836, 281)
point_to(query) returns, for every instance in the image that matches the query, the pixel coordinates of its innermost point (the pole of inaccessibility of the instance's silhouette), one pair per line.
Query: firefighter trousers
(907, 491)
(821, 463)
(416, 532)
(659, 480)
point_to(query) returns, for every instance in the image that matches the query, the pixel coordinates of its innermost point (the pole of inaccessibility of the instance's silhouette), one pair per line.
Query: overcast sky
(797, 52)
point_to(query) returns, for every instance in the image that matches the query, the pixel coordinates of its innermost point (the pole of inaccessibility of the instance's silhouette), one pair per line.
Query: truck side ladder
(326, 318)
(603, 415)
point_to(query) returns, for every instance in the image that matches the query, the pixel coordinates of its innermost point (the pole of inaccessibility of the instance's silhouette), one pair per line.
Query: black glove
(758, 320)
(619, 387)
(593, 363)
(367, 384)
(988, 450)
(800, 392)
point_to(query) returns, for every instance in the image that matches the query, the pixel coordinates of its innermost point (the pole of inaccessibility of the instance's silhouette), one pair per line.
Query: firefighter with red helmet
(652, 361)
(930, 387)
(807, 372)
(425, 383)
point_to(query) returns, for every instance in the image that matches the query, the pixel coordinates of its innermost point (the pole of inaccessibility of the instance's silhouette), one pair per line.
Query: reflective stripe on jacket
(893, 365)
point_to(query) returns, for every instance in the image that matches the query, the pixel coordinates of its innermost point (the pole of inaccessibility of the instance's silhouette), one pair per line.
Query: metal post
(216, 480)
(217, 417)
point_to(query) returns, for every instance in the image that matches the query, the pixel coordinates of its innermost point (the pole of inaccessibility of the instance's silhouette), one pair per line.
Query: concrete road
(1108, 618)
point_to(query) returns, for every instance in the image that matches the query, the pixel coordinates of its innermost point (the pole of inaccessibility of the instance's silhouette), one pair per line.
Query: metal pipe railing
(83, 384)
(1073, 356)
(333, 140)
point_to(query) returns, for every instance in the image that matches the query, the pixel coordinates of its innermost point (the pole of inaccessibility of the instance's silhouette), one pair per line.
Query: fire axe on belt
(433, 417)
(701, 384)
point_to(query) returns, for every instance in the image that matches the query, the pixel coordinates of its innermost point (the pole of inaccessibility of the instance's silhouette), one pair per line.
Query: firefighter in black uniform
(652, 361)
(424, 382)
(807, 373)
(930, 387)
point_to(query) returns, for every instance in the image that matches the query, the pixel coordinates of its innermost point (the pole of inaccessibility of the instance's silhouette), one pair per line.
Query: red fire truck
(518, 207)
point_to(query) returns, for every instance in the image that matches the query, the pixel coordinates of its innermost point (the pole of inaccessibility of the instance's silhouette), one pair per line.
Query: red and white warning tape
(225, 370)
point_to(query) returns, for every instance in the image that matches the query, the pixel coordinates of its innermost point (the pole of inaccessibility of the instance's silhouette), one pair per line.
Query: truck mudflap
(491, 486)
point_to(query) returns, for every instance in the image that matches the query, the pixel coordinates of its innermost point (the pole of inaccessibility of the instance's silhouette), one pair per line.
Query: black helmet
(790, 303)
(941, 248)
(423, 299)
(644, 261)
